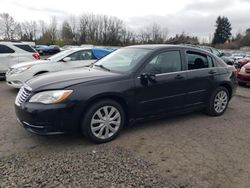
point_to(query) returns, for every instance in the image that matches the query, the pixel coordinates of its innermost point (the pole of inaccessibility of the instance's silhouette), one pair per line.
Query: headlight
(20, 69)
(50, 97)
(243, 70)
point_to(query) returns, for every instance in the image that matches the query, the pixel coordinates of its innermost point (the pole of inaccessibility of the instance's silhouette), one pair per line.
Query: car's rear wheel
(218, 102)
(103, 121)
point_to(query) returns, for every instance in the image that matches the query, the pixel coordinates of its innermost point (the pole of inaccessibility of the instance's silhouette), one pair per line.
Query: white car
(12, 53)
(18, 74)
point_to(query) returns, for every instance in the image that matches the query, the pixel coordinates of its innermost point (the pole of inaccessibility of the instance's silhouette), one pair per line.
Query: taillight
(36, 56)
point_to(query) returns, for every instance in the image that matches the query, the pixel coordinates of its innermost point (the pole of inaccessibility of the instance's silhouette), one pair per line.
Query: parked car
(42, 49)
(244, 61)
(53, 49)
(17, 75)
(130, 84)
(228, 59)
(13, 53)
(239, 55)
(244, 75)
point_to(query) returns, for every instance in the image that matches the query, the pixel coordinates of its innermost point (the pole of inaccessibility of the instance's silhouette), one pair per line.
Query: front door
(165, 88)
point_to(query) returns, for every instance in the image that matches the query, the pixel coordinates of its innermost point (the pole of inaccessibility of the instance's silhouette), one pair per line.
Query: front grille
(23, 95)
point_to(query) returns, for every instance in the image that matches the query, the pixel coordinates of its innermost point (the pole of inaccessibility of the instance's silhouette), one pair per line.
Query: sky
(194, 17)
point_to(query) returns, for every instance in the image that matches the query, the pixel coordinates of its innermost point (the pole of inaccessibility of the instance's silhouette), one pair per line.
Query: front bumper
(2, 75)
(14, 81)
(39, 130)
(48, 119)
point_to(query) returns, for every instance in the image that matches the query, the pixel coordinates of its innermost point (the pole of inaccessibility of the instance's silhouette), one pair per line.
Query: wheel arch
(112, 96)
(229, 88)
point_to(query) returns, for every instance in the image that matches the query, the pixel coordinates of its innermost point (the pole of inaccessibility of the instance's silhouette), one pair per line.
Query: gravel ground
(102, 166)
(192, 150)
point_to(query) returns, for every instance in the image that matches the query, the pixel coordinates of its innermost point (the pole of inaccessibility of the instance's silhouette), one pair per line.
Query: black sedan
(130, 84)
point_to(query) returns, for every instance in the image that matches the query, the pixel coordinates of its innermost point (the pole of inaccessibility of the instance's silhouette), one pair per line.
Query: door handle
(179, 77)
(211, 72)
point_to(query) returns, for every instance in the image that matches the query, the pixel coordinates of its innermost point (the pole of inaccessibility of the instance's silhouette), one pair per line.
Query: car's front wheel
(218, 102)
(103, 121)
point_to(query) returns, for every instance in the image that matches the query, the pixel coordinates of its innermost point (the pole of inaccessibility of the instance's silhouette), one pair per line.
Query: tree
(8, 27)
(67, 33)
(29, 31)
(152, 34)
(183, 39)
(223, 30)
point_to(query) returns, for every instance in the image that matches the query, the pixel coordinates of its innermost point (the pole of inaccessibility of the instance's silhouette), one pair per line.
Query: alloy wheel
(220, 101)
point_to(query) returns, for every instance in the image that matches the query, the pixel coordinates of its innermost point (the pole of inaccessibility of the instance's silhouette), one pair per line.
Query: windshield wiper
(101, 66)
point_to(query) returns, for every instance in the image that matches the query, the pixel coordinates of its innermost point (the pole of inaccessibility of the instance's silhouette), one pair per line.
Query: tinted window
(198, 60)
(81, 55)
(5, 49)
(164, 63)
(26, 48)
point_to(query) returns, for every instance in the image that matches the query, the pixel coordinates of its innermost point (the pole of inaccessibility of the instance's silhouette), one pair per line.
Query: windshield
(122, 60)
(59, 55)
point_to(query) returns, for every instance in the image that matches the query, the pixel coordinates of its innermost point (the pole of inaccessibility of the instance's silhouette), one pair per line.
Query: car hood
(37, 62)
(63, 79)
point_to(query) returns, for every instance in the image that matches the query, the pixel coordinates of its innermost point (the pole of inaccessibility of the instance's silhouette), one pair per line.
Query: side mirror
(146, 77)
(66, 59)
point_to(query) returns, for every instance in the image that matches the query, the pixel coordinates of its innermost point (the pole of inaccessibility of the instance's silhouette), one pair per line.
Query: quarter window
(198, 60)
(5, 49)
(165, 62)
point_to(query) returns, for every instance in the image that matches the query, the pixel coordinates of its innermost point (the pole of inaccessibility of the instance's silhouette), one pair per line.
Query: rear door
(201, 74)
(81, 58)
(168, 91)
(7, 58)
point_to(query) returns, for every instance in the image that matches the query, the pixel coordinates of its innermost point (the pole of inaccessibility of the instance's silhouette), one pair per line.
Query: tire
(96, 124)
(218, 102)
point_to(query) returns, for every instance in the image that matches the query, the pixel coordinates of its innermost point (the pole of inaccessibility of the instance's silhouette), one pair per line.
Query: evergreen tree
(223, 30)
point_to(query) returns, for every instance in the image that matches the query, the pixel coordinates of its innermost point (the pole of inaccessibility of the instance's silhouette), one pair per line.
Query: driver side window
(81, 55)
(165, 62)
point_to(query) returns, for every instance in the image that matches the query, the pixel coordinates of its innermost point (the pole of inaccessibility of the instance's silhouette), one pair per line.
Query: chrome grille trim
(23, 95)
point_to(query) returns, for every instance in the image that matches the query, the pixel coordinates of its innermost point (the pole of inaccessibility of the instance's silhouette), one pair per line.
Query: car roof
(13, 43)
(170, 46)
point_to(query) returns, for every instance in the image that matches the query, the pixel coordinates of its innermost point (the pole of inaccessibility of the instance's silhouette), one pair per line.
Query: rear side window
(26, 48)
(197, 60)
(5, 49)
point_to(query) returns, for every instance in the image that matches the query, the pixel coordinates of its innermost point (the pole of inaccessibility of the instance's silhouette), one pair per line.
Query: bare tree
(152, 33)
(8, 26)
(29, 30)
